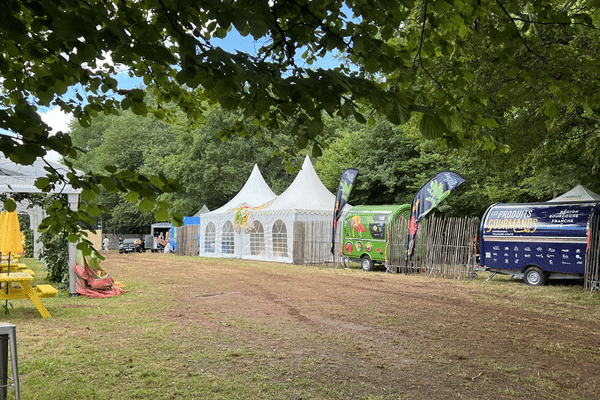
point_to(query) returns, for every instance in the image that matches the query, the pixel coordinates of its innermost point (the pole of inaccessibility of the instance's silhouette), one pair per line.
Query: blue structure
(195, 220)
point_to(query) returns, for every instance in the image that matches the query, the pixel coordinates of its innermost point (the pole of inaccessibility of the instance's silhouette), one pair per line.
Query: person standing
(105, 243)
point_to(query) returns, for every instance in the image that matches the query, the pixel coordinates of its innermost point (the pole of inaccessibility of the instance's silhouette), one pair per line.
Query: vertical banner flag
(345, 187)
(431, 194)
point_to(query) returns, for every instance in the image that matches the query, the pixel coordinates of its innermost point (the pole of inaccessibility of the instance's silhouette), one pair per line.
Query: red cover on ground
(88, 283)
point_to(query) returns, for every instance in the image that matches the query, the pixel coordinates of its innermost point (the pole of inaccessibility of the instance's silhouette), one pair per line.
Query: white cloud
(57, 119)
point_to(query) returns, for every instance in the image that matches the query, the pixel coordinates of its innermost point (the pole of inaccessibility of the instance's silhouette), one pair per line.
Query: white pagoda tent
(306, 199)
(264, 229)
(218, 236)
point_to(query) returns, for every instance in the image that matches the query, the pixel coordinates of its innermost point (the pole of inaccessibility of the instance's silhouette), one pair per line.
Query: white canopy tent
(218, 237)
(17, 178)
(267, 233)
(306, 199)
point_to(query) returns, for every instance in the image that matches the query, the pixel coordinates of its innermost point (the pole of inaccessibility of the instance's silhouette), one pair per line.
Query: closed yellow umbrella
(11, 235)
(2, 219)
(10, 243)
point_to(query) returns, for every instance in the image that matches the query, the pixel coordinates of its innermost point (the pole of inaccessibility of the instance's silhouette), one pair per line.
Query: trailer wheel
(366, 263)
(534, 276)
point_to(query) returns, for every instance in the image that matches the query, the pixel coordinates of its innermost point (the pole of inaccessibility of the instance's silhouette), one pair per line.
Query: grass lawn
(197, 328)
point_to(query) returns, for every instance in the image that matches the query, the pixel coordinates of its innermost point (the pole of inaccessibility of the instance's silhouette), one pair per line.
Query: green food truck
(365, 232)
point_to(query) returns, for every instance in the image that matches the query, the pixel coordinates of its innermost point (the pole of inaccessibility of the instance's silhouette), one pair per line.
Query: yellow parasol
(10, 239)
(10, 234)
(2, 219)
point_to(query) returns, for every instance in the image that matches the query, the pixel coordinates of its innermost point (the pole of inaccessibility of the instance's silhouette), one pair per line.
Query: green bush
(55, 254)
(24, 226)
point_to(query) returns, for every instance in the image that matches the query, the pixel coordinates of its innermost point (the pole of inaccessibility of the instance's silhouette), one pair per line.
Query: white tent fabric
(254, 193)
(306, 199)
(217, 233)
(272, 238)
(578, 193)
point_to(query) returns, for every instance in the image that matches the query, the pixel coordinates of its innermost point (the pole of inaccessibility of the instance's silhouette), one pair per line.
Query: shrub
(24, 226)
(55, 254)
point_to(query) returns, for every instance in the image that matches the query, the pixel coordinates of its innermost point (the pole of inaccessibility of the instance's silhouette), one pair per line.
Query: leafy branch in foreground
(66, 53)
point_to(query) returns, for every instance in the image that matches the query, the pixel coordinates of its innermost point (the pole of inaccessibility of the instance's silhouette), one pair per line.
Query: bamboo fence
(312, 243)
(444, 248)
(592, 260)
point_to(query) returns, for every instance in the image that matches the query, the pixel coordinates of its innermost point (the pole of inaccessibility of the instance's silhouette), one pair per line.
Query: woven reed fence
(444, 248)
(187, 240)
(312, 243)
(592, 260)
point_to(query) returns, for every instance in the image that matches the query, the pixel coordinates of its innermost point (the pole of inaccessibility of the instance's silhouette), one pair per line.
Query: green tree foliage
(28, 233)
(424, 56)
(131, 144)
(211, 170)
(393, 163)
(527, 68)
(56, 257)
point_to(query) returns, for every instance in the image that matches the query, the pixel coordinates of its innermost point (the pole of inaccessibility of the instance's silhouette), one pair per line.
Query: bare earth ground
(345, 333)
(384, 335)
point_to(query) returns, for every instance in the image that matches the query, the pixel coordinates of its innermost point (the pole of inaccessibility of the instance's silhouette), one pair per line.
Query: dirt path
(375, 334)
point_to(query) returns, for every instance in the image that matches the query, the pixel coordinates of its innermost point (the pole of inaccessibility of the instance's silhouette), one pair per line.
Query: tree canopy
(211, 171)
(465, 70)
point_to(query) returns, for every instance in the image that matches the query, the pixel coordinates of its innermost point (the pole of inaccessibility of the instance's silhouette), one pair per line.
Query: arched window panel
(257, 239)
(280, 248)
(227, 239)
(210, 238)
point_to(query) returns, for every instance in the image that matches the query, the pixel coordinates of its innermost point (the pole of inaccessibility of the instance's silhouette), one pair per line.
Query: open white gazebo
(17, 178)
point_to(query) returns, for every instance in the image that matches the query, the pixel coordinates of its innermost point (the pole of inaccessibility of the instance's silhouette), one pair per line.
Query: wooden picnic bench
(16, 267)
(17, 285)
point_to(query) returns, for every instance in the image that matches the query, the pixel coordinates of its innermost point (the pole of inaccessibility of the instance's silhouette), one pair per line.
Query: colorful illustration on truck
(349, 247)
(357, 226)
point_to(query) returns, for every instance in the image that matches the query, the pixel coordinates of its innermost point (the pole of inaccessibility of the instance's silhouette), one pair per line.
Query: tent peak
(578, 193)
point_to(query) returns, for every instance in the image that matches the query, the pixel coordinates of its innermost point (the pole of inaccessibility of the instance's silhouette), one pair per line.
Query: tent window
(227, 241)
(257, 239)
(280, 239)
(209, 239)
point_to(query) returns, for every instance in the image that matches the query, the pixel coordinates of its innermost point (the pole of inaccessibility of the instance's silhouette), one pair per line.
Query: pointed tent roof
(578, 193)
(306, 192)
(203, 210)
(254, 193)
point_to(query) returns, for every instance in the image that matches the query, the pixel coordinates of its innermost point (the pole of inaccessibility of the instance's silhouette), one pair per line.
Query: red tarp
(88, 283)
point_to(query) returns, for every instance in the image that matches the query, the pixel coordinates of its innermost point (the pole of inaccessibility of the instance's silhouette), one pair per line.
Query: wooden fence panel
(592, 260)
(444, 248)
(312, 243)
(187, 240)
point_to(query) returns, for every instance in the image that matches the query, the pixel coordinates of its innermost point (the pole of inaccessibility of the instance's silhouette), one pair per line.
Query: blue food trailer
(536, 241)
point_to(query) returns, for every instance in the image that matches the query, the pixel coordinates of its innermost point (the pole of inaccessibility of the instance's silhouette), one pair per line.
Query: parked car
(131, 245)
